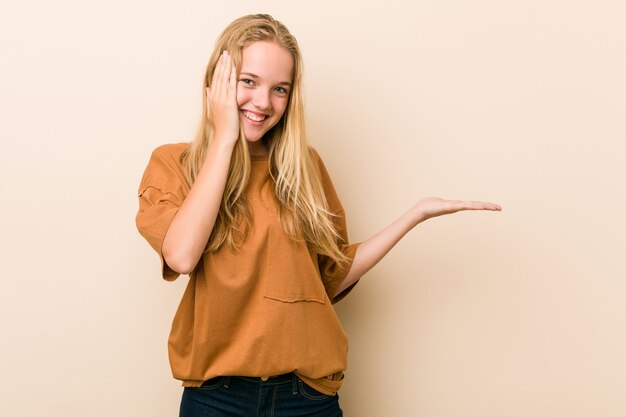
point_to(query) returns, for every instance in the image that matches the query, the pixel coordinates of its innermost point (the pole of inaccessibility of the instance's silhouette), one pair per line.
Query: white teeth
(253, 116)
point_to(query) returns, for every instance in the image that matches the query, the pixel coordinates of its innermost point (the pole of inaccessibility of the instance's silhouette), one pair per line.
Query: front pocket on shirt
(291, 271)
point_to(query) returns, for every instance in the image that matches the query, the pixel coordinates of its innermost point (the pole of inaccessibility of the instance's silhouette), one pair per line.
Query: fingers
(223, 83)
(434, 206)
(480, 205)
(218, 76)
(493, 207)
(222, 110)
(233, 77)
(224, 79)
(460, 205)
(208, 103)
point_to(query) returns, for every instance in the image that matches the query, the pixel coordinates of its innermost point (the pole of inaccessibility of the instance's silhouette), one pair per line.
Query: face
(263, 88)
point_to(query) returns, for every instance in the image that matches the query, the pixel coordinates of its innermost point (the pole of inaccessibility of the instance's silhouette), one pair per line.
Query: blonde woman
(249, 212)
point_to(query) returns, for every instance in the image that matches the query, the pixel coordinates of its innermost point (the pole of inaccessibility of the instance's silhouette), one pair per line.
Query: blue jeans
(236, 396)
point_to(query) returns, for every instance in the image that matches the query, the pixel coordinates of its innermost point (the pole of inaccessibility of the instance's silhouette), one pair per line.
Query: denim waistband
(251, 396)
(274, 379)
(289, 378)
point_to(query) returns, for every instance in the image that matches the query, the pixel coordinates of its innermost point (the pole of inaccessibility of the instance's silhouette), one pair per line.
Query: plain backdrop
(513, 314)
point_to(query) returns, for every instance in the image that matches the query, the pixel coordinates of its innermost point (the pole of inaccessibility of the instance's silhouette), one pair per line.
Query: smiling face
(263, 89)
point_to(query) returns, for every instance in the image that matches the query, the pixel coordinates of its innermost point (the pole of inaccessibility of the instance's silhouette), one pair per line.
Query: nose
(261, 99)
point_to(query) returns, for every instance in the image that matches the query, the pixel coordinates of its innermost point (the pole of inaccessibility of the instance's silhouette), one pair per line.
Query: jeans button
(264, 378)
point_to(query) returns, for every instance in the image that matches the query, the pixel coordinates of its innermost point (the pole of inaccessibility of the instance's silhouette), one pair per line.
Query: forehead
(267, 60)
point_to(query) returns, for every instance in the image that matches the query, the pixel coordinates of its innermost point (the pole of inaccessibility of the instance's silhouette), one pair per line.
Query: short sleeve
(161, 192)
(332, 272)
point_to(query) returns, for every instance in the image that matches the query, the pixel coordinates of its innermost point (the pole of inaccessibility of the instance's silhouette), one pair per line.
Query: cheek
(241, 96)
(280, 106)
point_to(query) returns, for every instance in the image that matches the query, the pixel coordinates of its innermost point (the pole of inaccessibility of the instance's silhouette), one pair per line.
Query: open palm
(435, 206)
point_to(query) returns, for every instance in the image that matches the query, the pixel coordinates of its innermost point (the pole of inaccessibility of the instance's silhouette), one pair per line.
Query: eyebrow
(251, 75)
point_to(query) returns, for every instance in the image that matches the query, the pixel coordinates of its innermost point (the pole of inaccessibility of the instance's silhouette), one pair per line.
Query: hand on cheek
(221, 98)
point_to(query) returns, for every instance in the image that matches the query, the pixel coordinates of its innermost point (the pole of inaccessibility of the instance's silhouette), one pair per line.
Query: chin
(254, 136)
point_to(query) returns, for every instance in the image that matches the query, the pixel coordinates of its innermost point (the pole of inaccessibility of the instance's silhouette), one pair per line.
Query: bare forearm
(192, 225)
(371, 251)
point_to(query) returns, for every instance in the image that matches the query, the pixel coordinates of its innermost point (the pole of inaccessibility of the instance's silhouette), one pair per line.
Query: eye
(246, 81)
(280, 90)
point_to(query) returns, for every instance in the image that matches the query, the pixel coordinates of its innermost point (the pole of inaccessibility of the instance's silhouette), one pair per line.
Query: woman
(249, 211)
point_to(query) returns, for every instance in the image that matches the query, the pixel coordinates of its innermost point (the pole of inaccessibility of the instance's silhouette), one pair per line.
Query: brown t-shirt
(262, 310)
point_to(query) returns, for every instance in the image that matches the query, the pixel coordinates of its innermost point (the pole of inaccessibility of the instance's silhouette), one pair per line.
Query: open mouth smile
(255, 117)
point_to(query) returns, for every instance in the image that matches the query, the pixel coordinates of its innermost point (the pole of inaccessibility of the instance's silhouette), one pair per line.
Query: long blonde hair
(303, 209)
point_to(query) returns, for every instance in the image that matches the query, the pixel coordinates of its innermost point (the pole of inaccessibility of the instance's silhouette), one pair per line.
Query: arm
(371, 251)
(192, 225)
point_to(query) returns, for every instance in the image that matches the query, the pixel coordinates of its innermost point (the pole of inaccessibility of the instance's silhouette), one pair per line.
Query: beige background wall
(513, 314)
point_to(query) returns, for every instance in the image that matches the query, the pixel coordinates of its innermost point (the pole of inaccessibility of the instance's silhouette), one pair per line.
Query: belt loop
(226, 382)
(294, 384)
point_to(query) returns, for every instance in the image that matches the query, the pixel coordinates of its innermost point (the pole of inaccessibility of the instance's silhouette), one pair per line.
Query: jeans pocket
(213, 383)
(311, 393)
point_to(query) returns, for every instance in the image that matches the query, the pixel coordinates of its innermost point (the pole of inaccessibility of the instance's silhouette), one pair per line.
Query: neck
(257, 148)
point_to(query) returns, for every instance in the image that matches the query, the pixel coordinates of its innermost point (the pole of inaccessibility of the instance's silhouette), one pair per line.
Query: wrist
(221, 148)
(416, 216)
(224, 142)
